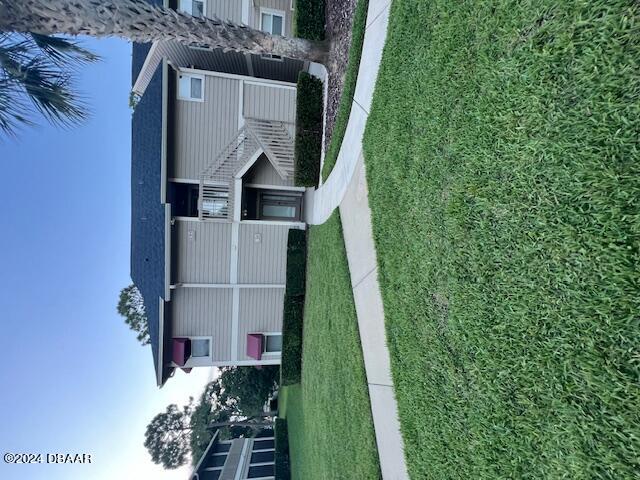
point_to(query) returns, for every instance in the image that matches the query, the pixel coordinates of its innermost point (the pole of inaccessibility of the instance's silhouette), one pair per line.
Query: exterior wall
(263, 173)
(262, 262)
(283, 5)
(204, 312)
(202, 129)
(270, 103)
(203, 252)
(225, 9)
(260, 312)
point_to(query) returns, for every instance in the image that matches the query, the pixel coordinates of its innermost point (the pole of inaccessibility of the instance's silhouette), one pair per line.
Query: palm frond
(12, 108)
(51, 92)
(36, 76)
(63, 51)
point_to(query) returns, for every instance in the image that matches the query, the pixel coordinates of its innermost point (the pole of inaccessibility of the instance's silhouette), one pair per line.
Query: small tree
(131, 307)
(167, 437)
(228, 403)
(250, 386)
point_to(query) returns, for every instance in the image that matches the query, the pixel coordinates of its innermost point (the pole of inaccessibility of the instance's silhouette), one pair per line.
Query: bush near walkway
(282, 461)
(308, 145)
(292, 324)
(504, 180)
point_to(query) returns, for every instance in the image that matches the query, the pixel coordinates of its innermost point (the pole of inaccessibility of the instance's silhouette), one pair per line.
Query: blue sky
(74, 377)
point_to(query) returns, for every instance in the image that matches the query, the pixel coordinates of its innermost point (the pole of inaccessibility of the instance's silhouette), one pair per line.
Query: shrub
(291, 361)
(309, 19)
(308, 130)
(296, 262)
(292, 324)
(283, 464)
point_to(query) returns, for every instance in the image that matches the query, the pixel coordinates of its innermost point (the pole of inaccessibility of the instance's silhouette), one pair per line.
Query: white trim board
(228, 285)
(299, 225)
(136, 86)
(235, 299)
(236, 363)
(275, 187)
(167, 252)
(245, 11)
(160, 366)
(247, 79)
(165, 129)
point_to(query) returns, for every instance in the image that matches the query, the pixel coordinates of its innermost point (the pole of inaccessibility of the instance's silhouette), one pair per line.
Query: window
(272, 21)
(260, 471)
(270, 56)
(191, 87)
(279, 206)
(272, 343)
(200, 347)
(215, 204)
(192, 7)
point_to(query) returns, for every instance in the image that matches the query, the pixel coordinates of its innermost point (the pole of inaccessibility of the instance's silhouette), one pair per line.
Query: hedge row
(292, 324)
(308, 130)
(309, 19)
(283, 464)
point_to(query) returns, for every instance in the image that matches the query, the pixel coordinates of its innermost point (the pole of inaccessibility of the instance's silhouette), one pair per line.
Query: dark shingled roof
(138, 56)
(147, 211)
(140, 51)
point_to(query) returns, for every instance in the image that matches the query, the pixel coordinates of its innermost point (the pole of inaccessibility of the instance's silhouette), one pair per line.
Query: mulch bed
(339, 18)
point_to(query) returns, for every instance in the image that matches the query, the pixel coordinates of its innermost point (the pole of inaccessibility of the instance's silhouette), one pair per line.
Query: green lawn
(329, 418)
(504, 178)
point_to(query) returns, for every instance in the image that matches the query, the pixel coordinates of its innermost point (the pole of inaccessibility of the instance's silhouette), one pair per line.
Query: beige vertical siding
(204, 312)
(283, 5)
(203, 129)
(263, 173)
(225, 9)
(264, 261)
(203, 256)
(270, 103)
(260, 311)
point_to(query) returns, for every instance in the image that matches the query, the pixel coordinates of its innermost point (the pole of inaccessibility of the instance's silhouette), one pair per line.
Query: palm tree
(139, 21)
(36, 76)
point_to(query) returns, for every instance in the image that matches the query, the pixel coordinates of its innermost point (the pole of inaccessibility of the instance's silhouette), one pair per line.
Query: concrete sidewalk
(356, 225)
(325, 199)
(347, 187)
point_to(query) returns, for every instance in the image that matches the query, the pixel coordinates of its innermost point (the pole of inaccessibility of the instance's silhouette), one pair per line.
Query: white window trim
(191, 75)
(273, 11)
(272, 58)
(204, 8)
(271, 334)
(200, 361)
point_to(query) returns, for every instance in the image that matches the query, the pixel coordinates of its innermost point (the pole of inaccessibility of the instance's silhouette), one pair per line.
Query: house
(238, 459)
(212, 194)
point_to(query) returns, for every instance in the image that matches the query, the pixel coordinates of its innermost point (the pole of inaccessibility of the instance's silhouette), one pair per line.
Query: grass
(349, 89)
(329, 418)
(504, 181)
